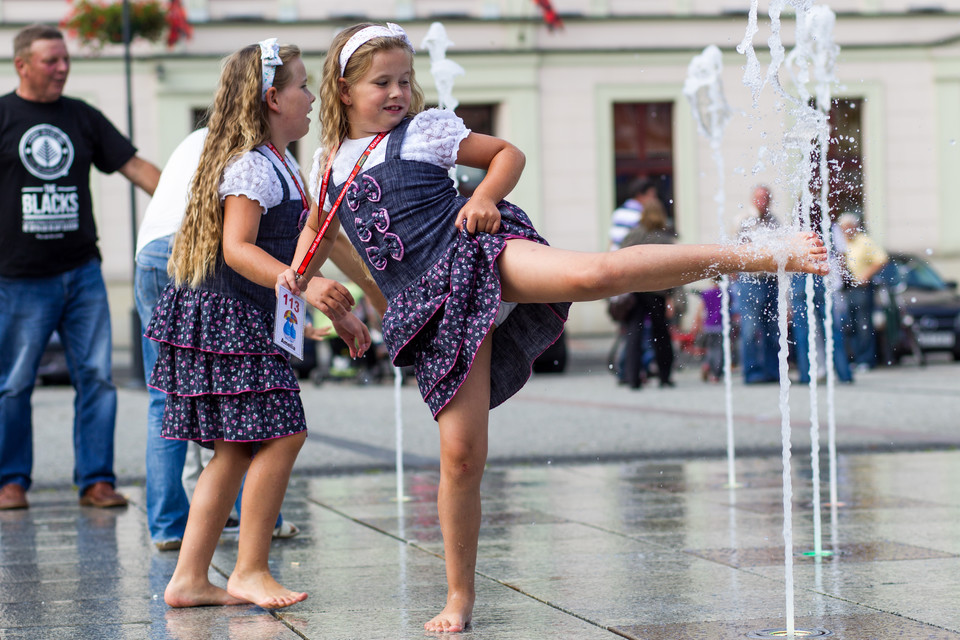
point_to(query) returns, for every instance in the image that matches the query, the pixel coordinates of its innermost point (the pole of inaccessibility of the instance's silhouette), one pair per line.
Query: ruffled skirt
(437, 324)
(223, 376)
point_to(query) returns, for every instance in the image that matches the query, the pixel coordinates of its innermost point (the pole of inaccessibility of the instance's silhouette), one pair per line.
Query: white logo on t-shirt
(46, 152)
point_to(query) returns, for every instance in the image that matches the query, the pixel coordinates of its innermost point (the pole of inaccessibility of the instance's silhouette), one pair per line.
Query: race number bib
(288, 323)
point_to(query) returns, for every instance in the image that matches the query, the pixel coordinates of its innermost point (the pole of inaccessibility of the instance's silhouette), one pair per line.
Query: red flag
(549, 15)
(177, 23)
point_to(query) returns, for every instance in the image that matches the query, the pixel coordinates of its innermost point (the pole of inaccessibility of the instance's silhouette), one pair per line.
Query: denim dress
(224, 377)
(442, 284)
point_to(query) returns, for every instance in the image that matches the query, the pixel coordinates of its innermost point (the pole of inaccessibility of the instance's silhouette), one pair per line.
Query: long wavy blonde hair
(237, 124)
(333, 113)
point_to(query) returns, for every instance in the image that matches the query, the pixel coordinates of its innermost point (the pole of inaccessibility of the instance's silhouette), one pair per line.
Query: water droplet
(953, 143)
(929, 251)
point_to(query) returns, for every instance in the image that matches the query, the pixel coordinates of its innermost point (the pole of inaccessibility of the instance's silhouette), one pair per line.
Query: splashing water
(751, 72)
(813, 55)
(398, 424)
(442, 69)
(704, 90)
(783, 290)
(823, 52)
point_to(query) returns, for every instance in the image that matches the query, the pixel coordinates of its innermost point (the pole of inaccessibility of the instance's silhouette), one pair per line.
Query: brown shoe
(168, 545)
(13, 496)
(102, 495)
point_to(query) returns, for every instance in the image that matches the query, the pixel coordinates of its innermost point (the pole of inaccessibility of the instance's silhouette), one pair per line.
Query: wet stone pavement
(652, 550)
(606, 515)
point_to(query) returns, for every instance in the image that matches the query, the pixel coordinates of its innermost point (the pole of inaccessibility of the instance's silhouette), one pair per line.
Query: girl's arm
(348, 260)
(353, 332)
(504, 164)
(289, 277)
(329, 296)
(241, 223)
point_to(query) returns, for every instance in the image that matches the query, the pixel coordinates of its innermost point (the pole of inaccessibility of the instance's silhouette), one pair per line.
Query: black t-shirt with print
(46, 214)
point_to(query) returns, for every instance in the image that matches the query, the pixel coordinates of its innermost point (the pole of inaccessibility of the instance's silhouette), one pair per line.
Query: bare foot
(454, 618)
(807, 255)
(262, 590)
(185, 594)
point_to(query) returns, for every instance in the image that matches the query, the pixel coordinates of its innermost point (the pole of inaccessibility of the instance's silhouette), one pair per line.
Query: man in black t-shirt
(50, 276)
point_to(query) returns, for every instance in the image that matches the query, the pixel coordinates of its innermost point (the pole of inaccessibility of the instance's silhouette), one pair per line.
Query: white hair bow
(269, 61)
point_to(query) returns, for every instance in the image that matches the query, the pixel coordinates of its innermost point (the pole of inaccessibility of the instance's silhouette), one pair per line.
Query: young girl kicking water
(475, 294)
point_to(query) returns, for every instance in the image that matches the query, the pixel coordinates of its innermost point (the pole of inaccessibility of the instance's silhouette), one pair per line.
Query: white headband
(269, 61)
(366, 35)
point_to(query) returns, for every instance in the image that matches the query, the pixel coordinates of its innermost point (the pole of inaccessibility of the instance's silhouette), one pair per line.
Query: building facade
(591, 104)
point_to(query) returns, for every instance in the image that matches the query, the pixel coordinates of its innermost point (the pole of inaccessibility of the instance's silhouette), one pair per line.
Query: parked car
(920, 314)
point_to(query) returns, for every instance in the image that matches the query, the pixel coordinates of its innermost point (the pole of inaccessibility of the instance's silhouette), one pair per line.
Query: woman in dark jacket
(653, 304)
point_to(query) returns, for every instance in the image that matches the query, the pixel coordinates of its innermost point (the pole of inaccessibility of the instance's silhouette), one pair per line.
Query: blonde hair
(237, 124)
(333, 113)
(654, 216)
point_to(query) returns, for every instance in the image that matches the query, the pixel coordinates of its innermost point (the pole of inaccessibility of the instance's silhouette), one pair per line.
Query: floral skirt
(437, 324)
(223, 376)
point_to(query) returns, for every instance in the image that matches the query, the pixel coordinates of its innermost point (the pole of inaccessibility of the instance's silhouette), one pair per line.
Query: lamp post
(136, 352)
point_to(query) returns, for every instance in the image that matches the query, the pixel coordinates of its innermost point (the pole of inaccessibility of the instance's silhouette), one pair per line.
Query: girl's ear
(344, 90)
(271, 99)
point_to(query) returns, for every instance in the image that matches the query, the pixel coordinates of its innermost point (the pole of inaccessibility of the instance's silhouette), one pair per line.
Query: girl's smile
(381, 98)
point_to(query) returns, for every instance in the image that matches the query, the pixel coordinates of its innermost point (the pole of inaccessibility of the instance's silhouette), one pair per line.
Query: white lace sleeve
(313, 180)
(252, 175)
(434, 136)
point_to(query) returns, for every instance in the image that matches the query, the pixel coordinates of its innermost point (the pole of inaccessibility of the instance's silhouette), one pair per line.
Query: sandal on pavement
(286, 530)
(168, 545)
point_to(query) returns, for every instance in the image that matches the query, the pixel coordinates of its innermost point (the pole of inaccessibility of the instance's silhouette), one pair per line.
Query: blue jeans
(167, 503)
(801, 329)
(759, 334)
(859, 324)
(75, 304)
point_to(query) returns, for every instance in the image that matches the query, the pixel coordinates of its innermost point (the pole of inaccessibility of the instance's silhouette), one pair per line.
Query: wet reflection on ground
(651, 550)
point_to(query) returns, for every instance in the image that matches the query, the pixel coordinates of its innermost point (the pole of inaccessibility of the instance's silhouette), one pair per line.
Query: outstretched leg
(216, 490)
(463, 454)
(263, 491)
(532, 272)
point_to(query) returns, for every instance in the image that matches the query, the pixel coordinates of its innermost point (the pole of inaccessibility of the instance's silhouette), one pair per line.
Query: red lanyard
(303, 196)
(336, 205)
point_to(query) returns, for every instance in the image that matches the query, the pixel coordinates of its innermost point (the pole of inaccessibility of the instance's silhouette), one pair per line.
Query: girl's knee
(589, 278)
(463, 463)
